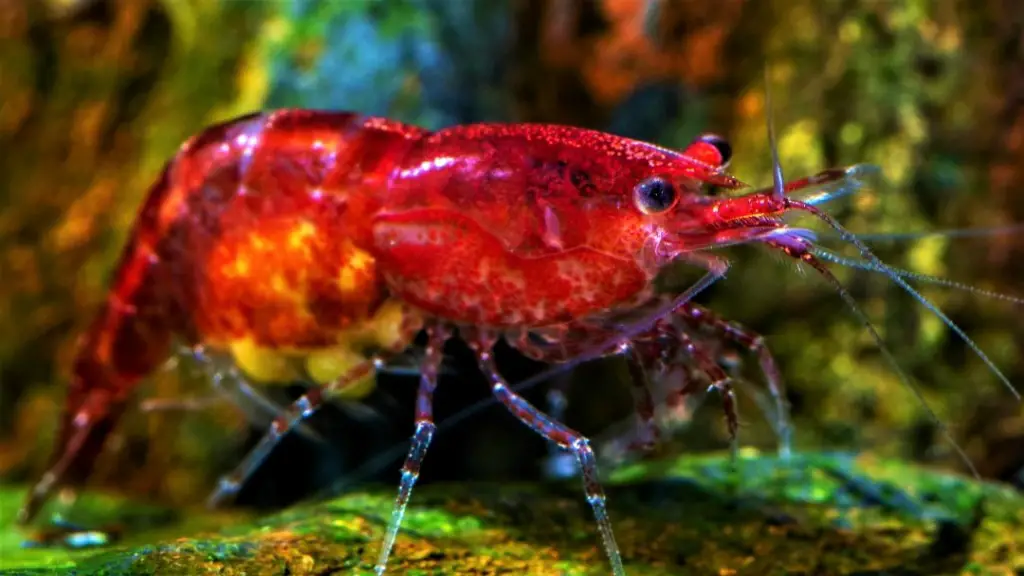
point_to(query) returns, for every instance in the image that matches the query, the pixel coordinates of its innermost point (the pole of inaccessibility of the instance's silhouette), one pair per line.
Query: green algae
(820, 514)
(131, 525)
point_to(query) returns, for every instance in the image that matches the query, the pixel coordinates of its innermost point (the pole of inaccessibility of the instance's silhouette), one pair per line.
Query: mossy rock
(814, 514)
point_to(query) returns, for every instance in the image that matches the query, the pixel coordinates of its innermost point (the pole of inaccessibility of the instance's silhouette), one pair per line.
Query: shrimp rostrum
(316, 245)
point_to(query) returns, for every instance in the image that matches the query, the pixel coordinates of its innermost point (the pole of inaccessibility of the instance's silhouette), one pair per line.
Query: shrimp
(316, 245)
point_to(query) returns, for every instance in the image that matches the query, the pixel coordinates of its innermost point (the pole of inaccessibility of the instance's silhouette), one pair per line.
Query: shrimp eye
(720, 144)
(654, 195)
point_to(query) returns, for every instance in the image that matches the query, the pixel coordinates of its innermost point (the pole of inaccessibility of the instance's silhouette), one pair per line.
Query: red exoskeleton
(316, 245)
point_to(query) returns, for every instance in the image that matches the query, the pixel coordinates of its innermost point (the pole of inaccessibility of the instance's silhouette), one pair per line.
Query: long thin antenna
(783, 428)
(925, 278)
(777, 180)
(897, 278)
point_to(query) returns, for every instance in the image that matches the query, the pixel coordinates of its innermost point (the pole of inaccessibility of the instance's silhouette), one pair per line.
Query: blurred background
(98, 94)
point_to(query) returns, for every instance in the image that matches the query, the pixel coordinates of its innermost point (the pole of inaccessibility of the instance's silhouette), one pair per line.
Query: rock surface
(816, 514)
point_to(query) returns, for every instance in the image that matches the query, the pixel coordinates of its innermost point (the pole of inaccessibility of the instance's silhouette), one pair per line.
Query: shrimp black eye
(654, 195)
(720, 144)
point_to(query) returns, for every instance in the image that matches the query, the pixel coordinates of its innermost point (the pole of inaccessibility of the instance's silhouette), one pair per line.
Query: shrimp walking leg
(700, 317)
(643, 402)
(643, 438)
(429, 368)
(295, 414)
(558, 464)
(306, 405)
(652, 351)
(482, 344)
(720, 380)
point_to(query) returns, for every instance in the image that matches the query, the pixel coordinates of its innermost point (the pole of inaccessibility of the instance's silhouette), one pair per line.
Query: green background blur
(96, 94)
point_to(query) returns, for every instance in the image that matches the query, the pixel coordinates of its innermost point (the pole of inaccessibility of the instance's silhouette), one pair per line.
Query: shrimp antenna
(926, 278)
(976, 232)
(819, 266)
(801, 249)
(896, 277)
(779, 188)
(778, 192)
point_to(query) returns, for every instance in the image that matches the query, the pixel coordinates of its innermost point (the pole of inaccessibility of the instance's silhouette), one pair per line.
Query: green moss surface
(815, 514)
